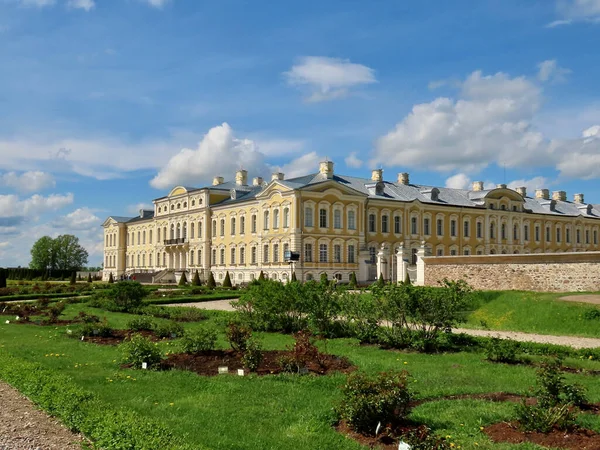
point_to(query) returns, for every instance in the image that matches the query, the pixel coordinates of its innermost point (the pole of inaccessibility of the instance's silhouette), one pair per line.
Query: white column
(402, 262)
(382, 263)
(421, 253)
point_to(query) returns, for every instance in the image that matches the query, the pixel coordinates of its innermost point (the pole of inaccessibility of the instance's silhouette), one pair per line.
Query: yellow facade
(338, 225)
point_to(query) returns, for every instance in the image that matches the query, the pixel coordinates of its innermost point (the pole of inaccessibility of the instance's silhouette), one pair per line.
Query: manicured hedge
(195, 299)
(105, 425)
(9, 298)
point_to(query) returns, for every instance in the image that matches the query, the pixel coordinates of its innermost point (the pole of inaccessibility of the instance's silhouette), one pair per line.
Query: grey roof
(120, 219)
(146, 215)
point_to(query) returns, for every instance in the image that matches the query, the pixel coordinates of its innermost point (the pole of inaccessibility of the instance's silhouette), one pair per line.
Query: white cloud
(37, 3)
(80, 219)
(86, 5)
(353, 161)
(577, 10)
(490, 122)
(135, 209)
(32, 181)
(458, 181)
(13, 209)
(156, 3)
(549, 70)
(328, 78)
(302, 165)
(278, 147)
(531, 184)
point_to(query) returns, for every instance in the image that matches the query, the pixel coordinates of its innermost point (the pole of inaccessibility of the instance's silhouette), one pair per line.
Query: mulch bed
(119, 336)
(45, 323)
(207, 363)
(578, 439)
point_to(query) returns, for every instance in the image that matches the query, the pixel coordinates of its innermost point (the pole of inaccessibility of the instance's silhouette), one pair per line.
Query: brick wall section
(556, 272)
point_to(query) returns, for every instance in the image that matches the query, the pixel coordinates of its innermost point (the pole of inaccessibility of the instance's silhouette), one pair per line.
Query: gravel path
(594, 299)
(24, 427)
(571, 341)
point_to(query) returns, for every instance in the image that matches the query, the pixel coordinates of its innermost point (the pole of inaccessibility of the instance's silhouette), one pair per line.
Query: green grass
(532, 312)
(283, 411)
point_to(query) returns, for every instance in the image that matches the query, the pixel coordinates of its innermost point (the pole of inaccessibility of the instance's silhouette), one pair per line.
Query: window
(138, 260)
(275, 253)
(547, 234)
(286, 248)
(397, 224)
(172, 207)
(337, 253)
(222, 227)
(466, 230)
(199, 230)
(184, 230)
(322, 218)
(276, 218)
(213, 260)
(466, 251)
(158, 235)
(308, 253)
(253, 223)
(526, 232)
(558, 235)
(192, 229)
(503, 231)
(232, 224)
(351, 253)
(323, 253)
(439, 225)
(426, 229)
(587, 236)
(385, 224)
(191, 257)
(351, 220)
(492, 231)
(139, 242)
(193, 202)
(515, 233)
(242, 225)
(214, 228)
(372, 223)
(452, 252)
(578, 236)
(266, 253)
(266, 220)
(165, 259)
(440, 252)
(242, 255)
(372, 255)
(537, 233)
(222, 257)
(595, 237)
(232, 262)
(413, 225)
(479, 230)
(253, 255)
(568, 235)
(178, 205)
(453, 228)
(308, 216)
(199, 257)
(337, 219)
(286, 218)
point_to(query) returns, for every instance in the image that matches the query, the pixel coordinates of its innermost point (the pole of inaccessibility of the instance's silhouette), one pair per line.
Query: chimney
(258, 181)
(403, 178)
(522, 190)
(218, 180)
(377, 175)
(500, 186)
(277, 176)
(578, 198)
(241, 177)
(326, 168)
(478, 185)
(543, 194)
(559, 195)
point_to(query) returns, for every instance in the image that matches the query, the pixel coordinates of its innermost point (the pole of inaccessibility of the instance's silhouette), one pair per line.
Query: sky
(106, 105)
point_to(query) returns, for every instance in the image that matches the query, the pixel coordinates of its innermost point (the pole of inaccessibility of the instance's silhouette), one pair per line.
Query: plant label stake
(241, 372)
(223, 370)
(403, 446)
(144, 365)
(82, 337)
(378, 429)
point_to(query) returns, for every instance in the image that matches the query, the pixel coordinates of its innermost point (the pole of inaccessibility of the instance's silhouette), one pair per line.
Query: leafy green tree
(353, 282)
(227, 280)
(183, 279)
(196, 280)
(73, 278)
(211, 281)
(324, 278)
(89, 280)
(261, 277)
(62, 253)
(127, 295)
(380, 280)
(42, 255)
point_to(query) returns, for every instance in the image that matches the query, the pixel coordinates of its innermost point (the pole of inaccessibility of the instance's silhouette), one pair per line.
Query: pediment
(332, 187)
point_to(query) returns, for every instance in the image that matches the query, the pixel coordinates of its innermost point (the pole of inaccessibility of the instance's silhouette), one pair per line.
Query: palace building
(337, 225)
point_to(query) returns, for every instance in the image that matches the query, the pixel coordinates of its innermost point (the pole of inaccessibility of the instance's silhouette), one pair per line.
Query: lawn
(282, 411)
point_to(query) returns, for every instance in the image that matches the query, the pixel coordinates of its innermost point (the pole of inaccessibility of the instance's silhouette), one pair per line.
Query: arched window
(515, 233)
(138, 260)
(144, 237)
(150, 237)
(214, 228)
(222, 256)
(253, 255)
(232, 224)
(144, 260)
(253, 223)
(351, 220)
(266, 220)
(276, 218)
(286, 218)
(503, 231)
(492, 231)
(199, 230)
(266, 253)
(178, 233)
(275, 253)
(150, 259)
(164, 259)
(184, 230)
(308, 216)
(337, 219)
(191, 257)
(372, 223)
(139, 242)
(242, 225)
(242, 255)
(413, 225)
(232, 256)
(222, 227)
(385, 224)
(192, 226)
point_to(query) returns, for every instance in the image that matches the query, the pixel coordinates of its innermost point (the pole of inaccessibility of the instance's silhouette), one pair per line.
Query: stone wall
(542, 272)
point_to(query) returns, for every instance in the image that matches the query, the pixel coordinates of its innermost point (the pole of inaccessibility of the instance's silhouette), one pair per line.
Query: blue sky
(106, 104)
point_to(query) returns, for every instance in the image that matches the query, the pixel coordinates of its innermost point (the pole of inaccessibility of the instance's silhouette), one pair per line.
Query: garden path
(571, 341)
(594, 299)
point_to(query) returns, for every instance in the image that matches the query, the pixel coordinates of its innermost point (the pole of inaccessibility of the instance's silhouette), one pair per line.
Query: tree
(89, 280)
(380, 280)
(111, 279)
(227, 280)
(211, 281)
(261, 276)
(73, 278)
(353, 282)
(62, 253)
(196, 280)
(183, 279)
(324, 279)
(2, 278)
(294, 276)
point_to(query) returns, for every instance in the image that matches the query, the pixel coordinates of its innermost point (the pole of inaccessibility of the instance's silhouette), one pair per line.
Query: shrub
(324, 279)
(73, 279)
(126, 295)
(261, 276)
(199, 340)
(294, 279)
(87, 318)
(183, 279)
(141, 323)
(361, 316)
(137, 350)
(55, 310)
(238, 335)
(592, 314)
(421, 438)
(89, 278)
(111, 280)
(502, 350)
(369, 400)
(303, 352)
(211, 283)
(544, 420)
(252, 356)
(353, 282)
(227, 280)
(42, 303)
(196, 280)
(169, 330)
(101, 329)
(182, 314)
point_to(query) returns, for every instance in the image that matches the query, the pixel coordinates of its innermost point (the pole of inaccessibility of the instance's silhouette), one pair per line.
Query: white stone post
(382, 263)
(402, 262)
(421, 253)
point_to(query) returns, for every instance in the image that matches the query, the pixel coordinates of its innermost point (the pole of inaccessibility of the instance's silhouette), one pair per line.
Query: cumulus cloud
(37, 3)
(86, 5)
(458, 181)
(32, 181)
(156, 3)
(80, 219)
(489, 122)
(302, 165)
(328, 78)
(353, 161)
(532, 184)
(13, 206)
(571, 11)
(549, 70)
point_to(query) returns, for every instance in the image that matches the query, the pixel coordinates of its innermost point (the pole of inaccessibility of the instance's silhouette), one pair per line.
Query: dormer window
(492, 206)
